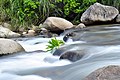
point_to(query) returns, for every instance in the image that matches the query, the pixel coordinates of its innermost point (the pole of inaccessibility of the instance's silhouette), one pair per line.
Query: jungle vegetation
(24, 13)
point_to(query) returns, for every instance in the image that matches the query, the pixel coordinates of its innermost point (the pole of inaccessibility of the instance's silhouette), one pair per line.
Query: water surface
(103, 44)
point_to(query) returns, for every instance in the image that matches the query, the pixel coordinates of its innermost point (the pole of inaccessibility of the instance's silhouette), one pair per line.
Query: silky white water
(29, 60)
(37, 65)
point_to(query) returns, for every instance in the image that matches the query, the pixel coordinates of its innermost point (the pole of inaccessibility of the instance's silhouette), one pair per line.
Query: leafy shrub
(24, 13)
(19, 12)
(54, 44)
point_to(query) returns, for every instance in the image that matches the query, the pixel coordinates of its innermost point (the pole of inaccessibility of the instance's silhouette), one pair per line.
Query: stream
(36, 64)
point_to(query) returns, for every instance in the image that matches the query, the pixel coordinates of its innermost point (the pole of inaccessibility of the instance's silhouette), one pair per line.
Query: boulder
(118, 19)
(8, 46)
(57, 24)
(99, 13)
(76, 51)
(72, 55)
(111, 72)
(81, 25)
(5, 32)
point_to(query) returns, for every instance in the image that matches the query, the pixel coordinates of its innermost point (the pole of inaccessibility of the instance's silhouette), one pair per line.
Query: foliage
(20, 12)
(48, 8)
(76, 6)
(24, 13)
(54, 44)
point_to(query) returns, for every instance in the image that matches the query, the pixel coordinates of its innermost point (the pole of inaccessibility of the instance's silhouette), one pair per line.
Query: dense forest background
(24, 13)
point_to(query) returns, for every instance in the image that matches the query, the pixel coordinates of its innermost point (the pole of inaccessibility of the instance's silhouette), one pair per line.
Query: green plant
(19, 13)
(24, 13)
(54, 44)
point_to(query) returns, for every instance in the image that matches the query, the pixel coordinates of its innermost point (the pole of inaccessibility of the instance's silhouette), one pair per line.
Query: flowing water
(39, 65)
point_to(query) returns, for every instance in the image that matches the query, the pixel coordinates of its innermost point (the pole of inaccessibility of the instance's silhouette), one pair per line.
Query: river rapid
(35, 64)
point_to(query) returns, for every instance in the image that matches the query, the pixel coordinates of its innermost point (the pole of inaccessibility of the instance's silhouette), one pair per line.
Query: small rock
(44, 30)
(31, 32)
(81, 25)
(46, 34)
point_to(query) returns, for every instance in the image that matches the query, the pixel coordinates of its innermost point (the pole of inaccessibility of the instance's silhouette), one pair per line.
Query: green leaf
(54, 44)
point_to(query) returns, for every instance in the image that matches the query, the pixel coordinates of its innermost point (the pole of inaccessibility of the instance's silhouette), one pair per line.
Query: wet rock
(5, 32)
(8, 46)
(47, 34)
(99, 13)
(67, 36)
(44, 31)
(57, 24)
(75, 52)
(72, 55)
(111, 72)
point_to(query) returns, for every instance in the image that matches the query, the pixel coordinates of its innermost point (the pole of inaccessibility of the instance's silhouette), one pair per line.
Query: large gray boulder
(99, 13)
(8, 46)
(105, 73)
(57, 24)
(5, 32)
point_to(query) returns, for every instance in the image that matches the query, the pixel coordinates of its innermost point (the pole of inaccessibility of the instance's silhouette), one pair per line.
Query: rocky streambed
(89, 53)
(92, 48)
